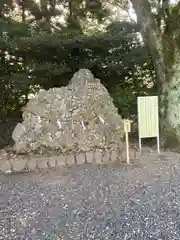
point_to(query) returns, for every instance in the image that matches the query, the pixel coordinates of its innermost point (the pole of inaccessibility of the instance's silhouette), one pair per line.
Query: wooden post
(127, 129)
(158, 145)
(127, 147)
(140, 146)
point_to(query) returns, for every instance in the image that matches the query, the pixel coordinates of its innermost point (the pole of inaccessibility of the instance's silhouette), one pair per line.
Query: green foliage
(37, 51)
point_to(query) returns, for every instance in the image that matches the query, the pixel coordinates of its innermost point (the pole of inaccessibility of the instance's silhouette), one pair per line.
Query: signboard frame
(148, 119)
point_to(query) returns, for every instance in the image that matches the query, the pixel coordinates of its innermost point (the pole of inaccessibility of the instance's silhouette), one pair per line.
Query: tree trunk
(170, 104)
(168, 74)
(73, 18)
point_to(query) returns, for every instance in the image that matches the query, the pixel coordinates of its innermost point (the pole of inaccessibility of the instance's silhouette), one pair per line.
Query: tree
(114, 54)
(160, 22)
(37, 51)
(25, 23)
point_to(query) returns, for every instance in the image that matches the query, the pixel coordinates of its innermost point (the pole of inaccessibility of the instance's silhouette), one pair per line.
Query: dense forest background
(43, 43)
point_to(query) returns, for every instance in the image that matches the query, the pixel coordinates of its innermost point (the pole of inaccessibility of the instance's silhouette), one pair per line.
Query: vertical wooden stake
(158, 145)
(127, 147)
(140, 145)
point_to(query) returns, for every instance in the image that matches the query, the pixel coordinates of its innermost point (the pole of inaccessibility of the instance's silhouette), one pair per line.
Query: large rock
(78, 117)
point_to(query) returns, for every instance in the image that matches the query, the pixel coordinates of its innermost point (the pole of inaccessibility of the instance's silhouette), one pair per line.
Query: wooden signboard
(148, 118)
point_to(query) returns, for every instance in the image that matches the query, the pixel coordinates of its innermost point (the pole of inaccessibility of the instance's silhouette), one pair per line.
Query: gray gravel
(126, 202)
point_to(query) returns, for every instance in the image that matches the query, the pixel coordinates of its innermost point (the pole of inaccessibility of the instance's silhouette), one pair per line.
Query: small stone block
(42, 163)
(18, 165)
(80, 159)
(106, 156)
(52, 162)
(70, 160)
(32, 164)
(60, 160)
(114, 155)
(98, 156)
(89, 157)
(132, 154)
(121, 155)
(5, 166)
(137, 154)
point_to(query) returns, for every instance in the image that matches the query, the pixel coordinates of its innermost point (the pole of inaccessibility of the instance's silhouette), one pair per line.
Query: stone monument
(79, 117)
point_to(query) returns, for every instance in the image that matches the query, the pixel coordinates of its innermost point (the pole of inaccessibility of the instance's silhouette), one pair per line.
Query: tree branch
(152, 36)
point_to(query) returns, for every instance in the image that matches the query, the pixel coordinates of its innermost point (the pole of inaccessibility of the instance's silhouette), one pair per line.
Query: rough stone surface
(98, 156)
(32, 164)
(139, 202)
(77, 118)
(106, 156)
(70, 160)
(80, 158)
(42, 163)
(52, 162)
(114, 155)
(90, 157)
(18, 165)
(5, 166)
(61, 160)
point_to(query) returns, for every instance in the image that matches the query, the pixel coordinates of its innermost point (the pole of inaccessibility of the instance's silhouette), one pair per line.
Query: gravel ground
(141, 201)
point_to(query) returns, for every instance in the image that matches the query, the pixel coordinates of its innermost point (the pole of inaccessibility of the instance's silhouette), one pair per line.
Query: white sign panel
(148, 118)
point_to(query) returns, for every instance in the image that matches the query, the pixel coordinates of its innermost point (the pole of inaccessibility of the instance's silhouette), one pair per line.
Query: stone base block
(106, 156)
(42, 163)
(70, 160)
(18, 165)
(114, 155)
(80, 158)
(90, 157)
(32, 164)
(5, 166)
(38, 162)
(60, 160)
(98, 156)
(52, 162)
